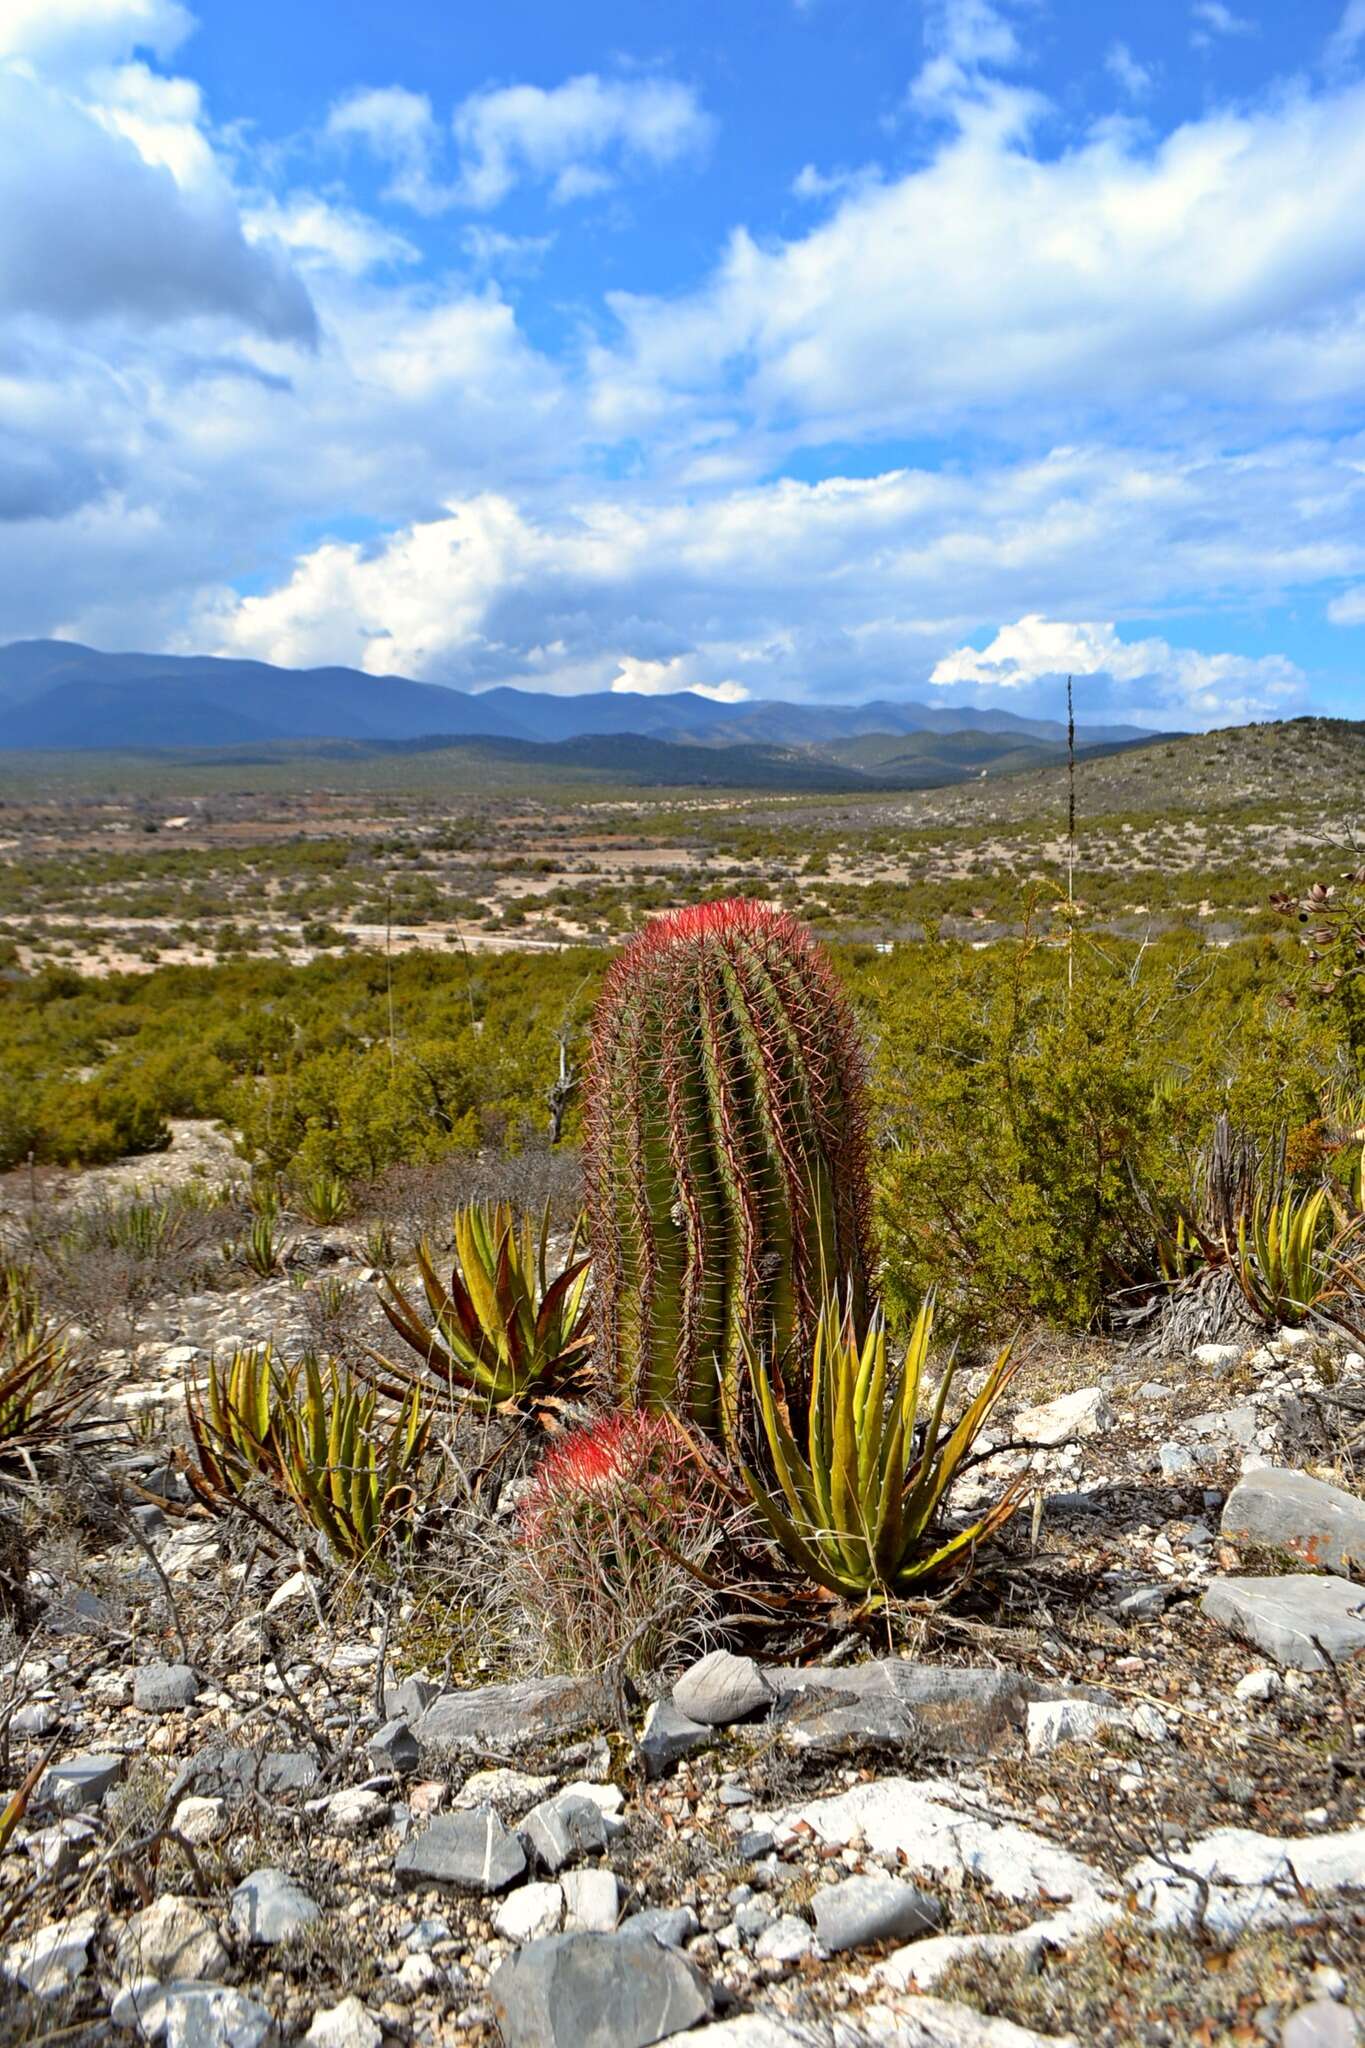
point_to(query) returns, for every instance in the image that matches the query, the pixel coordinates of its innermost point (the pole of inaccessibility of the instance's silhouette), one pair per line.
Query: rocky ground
(1112, 1794)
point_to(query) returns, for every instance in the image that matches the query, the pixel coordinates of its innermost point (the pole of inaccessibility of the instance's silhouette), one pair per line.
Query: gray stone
(668, 1736)
(722, 1688)
(471, 1851)
(862, 1910)
(268, 1907)
(562, 1829)
(81, 1782)
(954, 1712)
(1282, 1616)
(1229, 1425)
(164, 1688)
(507, 1716)
(1320, 1525)
(242, 1773)
(672, 1925)
(172, 1939)
(408, 1701)
(1143, 1604)
(1323, 2024)
(212, 2016)
(396, 1746)
(51, 1959)
(596, 1991)
(347, 2025)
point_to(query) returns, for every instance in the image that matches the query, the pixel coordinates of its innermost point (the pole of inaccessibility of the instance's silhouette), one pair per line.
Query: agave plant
(503, 1330)
(236, 1424)
(859, 1508)
(353, 1481)
(324, 1198)
(1284, 1255)
(41, 1395)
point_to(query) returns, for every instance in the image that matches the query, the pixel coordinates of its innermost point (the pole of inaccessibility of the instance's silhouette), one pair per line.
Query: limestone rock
(172, 1939)
(596, 1991)
(1282, 1616)
(720, 1689)
(472, 1851)
(268, 1907)
(1321, 1525)
(862, 1910)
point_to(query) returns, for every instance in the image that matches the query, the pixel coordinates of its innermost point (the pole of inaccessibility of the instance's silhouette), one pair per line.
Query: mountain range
(58, 694)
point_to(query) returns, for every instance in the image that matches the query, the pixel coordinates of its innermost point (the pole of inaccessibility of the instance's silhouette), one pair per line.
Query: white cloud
(75, 34)
(1207, 685)
(641, 678)
(1214, 18)
(399, 128)
(796, 589)
(1133, 78)
(1349, 608)
(1224, 264)
(575, 137)
(320, 234)
(129, 218)
(1348, 35)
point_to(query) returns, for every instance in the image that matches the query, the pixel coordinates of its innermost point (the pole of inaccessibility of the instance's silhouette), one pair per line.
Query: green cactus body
(725, 1154)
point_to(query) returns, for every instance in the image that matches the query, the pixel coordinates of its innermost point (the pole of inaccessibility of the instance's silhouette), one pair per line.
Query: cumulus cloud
(76, 34)
(1223, 263)
(1209, 685)
(816, 589)
(575, 137)
(638, 677)
(1349, 608)
(1133, 78)
(106, 231)
(399, 128)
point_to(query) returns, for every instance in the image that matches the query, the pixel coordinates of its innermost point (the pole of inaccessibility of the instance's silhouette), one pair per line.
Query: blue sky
(816, 348)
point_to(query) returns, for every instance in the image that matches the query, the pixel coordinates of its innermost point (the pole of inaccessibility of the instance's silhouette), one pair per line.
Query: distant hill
(58, 694)
(927, 761)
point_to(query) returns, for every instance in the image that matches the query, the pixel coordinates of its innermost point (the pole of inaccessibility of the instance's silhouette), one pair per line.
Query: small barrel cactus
(725, 1161)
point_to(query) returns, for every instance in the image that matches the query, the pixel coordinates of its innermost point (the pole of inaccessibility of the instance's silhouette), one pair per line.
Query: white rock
(1083, 1413)
(200, 1820)
(934, 2023)
(920, 1964)
(925, 1825)
(1261, 1684)
(529, 1912)
(786, 1941)
(298, 1589)
(1053, 1721)
(356, 1810)
(51, 1959)
(418, 1974)
(1148, 1724)
(172, 1940)
(608, 1799)
(1249, 1880)
(348, 2025)
(592, 1901)
(1217, 1354)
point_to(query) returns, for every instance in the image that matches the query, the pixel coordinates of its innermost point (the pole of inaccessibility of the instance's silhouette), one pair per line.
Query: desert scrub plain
(430, 1616)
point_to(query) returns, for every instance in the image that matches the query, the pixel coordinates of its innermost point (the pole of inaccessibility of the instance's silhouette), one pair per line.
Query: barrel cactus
(725, 1155)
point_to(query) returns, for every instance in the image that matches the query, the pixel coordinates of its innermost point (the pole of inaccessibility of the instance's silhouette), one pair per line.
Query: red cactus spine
(726, 1172)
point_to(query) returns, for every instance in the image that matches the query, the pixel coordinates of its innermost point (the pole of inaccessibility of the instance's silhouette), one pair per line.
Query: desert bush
(725, 1164)
(615, 1542)
(1029, 1124)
